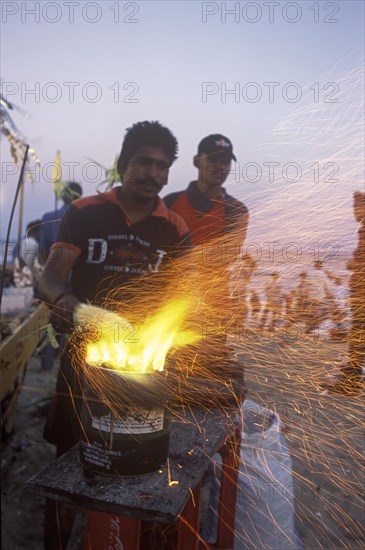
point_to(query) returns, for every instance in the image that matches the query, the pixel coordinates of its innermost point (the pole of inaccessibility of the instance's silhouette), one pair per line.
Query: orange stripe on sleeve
(75, 249)
(178, 221)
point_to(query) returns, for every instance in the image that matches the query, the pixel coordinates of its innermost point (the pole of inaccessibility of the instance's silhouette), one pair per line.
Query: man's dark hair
(71, 192)
(146, 133)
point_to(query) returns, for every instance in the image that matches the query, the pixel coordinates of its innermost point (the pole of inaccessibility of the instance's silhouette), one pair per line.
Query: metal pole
(10, 221)
(20, 220)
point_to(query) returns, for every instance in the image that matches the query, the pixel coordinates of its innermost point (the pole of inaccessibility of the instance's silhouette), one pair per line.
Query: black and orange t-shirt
(217, 226)
(208, 218)
(112, 250)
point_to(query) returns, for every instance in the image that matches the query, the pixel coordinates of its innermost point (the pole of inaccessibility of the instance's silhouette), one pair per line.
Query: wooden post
(188, 526)
(106, 531)
(227, 505)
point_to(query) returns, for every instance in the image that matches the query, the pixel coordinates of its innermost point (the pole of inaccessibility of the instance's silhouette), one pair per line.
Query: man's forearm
(58, 295)
(50, 289)
(54, 281)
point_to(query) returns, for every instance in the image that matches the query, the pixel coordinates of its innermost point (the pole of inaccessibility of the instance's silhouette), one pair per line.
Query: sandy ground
(324, 434)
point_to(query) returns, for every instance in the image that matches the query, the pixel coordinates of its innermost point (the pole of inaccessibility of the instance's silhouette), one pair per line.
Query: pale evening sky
(283, 80)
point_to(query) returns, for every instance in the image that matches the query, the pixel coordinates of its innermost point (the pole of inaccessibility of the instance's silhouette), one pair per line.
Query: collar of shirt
(201, 202)
(159, 211)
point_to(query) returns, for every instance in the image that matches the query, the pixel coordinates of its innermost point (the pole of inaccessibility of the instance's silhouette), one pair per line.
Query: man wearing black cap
(218, 222)
(207, 209)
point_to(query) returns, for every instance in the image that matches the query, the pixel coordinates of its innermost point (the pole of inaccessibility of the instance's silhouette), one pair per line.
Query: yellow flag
(56, 176)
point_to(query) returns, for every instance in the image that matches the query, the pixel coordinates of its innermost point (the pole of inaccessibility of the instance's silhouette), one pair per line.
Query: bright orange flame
(122, 345)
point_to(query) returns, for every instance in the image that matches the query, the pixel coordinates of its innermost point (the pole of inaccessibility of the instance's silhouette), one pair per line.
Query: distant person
(48, 236)
(255, 304)
(349, 380)
(338, 315)
(289, 301)
(51, 220)
(248, 296)
(27, 267)
(312, 305)
(29, 246)
(334, 278)
(328, 306)
(274, 303)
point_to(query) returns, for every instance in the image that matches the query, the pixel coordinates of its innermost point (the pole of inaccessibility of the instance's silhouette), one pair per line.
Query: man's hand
(62, 313)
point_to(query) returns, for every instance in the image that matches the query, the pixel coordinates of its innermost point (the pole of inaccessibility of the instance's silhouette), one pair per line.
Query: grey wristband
(61, 296)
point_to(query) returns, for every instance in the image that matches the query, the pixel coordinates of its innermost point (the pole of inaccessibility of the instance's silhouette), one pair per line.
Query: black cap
(216, 143)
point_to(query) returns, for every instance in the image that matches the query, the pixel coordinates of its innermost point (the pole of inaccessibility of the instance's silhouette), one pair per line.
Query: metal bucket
(122, 436)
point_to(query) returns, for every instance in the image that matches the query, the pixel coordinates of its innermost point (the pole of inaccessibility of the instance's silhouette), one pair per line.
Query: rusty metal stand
(131, 512)
(189, 520)
(106, 530)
